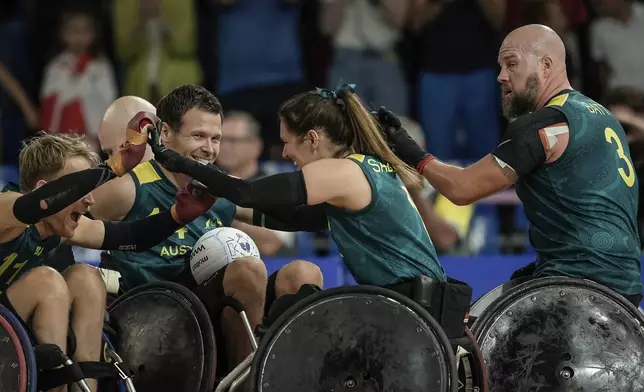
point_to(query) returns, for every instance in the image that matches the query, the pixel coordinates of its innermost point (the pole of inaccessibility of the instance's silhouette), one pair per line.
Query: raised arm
(20, 210)
(339, 182)
(141, 235)
(530, 141)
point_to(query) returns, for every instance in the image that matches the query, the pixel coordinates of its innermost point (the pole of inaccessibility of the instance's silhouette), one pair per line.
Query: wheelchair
(24, 365)
(560, 334)
(359, 338)
(165, 337)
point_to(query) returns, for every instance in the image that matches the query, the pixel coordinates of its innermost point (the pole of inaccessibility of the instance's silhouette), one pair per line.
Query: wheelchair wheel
(165, 336)
(562, 334)
(472, 374)
(358, 338)
(18, 368)
(479, 306)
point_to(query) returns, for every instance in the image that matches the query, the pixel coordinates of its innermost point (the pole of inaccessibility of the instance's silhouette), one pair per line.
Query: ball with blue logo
(217, 248)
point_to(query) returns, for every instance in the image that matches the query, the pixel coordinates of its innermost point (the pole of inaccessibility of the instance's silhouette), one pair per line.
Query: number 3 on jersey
(629, 178)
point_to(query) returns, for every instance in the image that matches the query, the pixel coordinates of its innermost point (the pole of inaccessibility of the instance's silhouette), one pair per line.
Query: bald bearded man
(569, 160)
(193, 117)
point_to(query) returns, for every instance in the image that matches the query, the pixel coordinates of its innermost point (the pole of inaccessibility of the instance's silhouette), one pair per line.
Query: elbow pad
(523, 149)
(59, 194)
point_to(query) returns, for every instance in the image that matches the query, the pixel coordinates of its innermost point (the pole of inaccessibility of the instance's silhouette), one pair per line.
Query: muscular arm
(18, 210)
(531, 140)
(463, 186)
(136, 236)
(339, 182)
(113, 201)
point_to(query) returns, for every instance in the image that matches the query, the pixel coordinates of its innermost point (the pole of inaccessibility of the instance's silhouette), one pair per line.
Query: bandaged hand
(193, 201)
(399, 140)
(131, 152)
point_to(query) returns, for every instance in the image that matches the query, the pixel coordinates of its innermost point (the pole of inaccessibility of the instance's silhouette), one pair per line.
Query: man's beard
(523, 102)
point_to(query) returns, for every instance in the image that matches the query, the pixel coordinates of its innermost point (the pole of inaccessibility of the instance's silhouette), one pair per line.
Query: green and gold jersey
(583, 207)
(23, 253)
(166, 260)
(386, 242)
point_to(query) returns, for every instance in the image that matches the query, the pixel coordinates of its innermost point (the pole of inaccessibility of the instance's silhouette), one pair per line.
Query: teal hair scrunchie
(338, 92)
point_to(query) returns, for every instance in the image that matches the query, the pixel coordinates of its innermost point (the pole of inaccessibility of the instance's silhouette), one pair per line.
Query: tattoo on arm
(506, 170)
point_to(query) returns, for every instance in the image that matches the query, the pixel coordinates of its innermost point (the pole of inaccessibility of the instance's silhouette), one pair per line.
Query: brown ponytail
(369, 139)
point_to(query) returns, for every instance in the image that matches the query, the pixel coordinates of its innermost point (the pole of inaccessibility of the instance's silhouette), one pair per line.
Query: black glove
(399, 140)
(170, 159)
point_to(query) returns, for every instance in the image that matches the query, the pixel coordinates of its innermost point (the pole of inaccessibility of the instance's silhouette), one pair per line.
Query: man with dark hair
(192, 123)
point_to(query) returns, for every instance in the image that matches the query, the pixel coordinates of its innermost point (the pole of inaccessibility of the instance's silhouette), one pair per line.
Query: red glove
(193, 201)
(131, 152)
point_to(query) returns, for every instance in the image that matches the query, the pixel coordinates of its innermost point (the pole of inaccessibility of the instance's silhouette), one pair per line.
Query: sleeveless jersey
(385, 242)
(23, 253)
(166, 260)
(583, 207)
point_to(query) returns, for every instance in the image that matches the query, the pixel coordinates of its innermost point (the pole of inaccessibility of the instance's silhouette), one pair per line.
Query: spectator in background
(550, 13)
(19, 96)
(79, 82)
(459, 41)
(241, 146)
(446, 223)
(364, 35)
(156, 41)
(259, 60)
(616, 43)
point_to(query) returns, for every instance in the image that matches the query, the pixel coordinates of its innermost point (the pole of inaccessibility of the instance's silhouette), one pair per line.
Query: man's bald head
(112, 129)
(539, 41)
(533, 68)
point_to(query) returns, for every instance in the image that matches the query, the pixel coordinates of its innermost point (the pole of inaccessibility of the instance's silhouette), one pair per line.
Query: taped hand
(399, 140)
(193, 201)
(131, 152)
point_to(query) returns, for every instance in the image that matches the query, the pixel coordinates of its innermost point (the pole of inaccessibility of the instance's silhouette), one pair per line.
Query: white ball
(216, 249)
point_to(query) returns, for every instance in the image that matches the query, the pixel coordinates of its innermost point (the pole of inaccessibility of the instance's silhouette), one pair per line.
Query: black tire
(258, 369)
(195, 310)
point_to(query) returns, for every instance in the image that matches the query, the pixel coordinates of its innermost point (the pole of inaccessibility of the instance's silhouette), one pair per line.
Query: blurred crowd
(432, 61)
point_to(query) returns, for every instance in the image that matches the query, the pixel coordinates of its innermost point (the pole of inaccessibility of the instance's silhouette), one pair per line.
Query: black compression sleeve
(139, 235)
(279, 190)
(59, 194)
(303, 218)
(522, 148)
